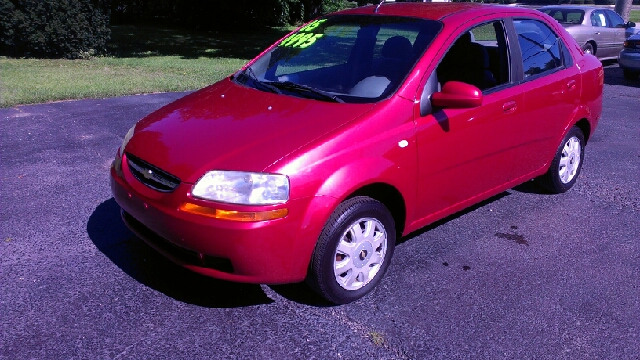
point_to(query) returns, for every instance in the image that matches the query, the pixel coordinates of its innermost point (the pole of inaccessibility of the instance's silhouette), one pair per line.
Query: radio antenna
(378, 7)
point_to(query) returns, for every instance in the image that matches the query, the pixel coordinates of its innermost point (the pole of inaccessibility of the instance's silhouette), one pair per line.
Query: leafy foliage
(207, 14)
(53, 28)
(575, 2)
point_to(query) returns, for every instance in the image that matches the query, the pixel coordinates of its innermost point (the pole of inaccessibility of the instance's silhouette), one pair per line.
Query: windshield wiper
(304, 89)
(250, 75)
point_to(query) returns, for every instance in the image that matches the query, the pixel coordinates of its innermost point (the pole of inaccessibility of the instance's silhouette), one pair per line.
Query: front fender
(375, 174)
(339, 186)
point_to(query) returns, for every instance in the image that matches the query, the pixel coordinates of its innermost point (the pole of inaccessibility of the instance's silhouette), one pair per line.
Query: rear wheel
(566, 165)
(353, 251)
(588, 48)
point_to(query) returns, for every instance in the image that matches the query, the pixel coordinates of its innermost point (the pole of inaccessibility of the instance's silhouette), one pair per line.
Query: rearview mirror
(457, 95)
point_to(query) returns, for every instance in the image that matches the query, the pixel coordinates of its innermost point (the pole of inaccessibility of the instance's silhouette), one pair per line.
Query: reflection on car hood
(632, 31)
(231, 127)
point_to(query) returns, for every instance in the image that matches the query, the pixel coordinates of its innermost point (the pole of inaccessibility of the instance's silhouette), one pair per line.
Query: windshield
(344, 58)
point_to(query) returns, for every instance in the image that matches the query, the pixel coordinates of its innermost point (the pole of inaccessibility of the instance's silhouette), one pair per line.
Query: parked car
(599, 31)
(360, 127)
(629, 58)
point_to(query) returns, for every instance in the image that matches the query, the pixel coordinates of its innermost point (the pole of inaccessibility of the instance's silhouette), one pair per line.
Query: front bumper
(629, 60)
(266, 252)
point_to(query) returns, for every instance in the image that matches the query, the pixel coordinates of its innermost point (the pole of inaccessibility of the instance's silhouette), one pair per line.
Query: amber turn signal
(246, 216)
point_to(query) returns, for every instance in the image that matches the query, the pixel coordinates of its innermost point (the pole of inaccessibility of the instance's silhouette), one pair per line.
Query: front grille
(151, 176)
(179, 253)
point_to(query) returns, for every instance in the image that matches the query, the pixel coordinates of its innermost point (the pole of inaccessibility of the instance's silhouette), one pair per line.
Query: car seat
(397, 56)
(468, 62)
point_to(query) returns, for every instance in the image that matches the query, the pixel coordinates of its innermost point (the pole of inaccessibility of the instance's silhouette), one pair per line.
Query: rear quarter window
(566, 16)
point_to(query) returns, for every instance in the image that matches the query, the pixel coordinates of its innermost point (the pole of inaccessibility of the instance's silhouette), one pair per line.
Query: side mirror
(457, 95)
(630, 24)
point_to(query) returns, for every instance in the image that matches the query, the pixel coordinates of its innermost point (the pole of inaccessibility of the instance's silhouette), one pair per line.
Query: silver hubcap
(570, 160)
(588, 50)
(360, 253)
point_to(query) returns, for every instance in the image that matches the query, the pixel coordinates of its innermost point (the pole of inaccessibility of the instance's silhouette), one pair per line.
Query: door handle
(597, 33)
(571, 85)
(509, 107)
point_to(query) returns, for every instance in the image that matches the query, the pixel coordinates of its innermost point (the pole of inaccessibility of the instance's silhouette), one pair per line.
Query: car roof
(434, 11)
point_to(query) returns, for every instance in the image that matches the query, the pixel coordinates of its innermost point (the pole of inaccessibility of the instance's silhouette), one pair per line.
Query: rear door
(551, 86)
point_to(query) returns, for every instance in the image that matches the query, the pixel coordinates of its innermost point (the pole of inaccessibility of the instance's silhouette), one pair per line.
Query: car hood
(231, 127)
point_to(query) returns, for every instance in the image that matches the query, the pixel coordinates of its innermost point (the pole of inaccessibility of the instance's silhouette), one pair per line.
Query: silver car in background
(600, 31)
(629, 59)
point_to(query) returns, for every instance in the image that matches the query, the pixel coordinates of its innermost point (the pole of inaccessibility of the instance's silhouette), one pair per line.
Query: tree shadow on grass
(110, 235)
(146, 41)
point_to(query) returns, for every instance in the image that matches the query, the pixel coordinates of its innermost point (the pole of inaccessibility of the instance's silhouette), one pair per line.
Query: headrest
(397, 47)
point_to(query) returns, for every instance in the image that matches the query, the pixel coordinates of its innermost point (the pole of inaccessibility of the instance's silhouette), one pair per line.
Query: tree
(54, 28)
(210, 14)
(623, 8)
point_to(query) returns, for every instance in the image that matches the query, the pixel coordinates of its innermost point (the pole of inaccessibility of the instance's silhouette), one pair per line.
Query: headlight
(244, 188)
(127, 137)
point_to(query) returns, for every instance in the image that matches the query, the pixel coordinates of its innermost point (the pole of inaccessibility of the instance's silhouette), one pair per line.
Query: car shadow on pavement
(531, 187)
(111, 236)
(451, 217)
(301, 293)
(613, 76)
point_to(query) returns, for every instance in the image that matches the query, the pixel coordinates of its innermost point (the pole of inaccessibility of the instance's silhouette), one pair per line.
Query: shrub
(213, 14)
(54, 28)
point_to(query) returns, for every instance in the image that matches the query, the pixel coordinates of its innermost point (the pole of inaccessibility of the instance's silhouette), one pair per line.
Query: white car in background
(599, 31)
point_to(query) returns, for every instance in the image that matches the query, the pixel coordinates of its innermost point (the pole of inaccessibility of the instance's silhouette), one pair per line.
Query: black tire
(322, 277)
(630, 75)
(588, 48)
(566, 164)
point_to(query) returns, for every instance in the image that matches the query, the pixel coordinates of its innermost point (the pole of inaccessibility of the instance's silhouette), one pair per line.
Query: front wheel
(588, 49)
(566, 164)
(353, 251)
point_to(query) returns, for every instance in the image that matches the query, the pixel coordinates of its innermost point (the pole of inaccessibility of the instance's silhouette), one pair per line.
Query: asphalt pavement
(523, 275)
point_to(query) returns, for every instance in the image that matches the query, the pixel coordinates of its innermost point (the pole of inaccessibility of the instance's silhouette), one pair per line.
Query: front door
(603, 34)
(464, 154)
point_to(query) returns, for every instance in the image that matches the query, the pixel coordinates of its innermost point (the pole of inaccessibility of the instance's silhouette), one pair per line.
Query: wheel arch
(593, 45)
(390, 197)
(585, 126)
(391, 183)
(374, 179)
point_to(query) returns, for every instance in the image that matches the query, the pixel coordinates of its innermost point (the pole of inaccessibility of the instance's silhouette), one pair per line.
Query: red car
(358, 128)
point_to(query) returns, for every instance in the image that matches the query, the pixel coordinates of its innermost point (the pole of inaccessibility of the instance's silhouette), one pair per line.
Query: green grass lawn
(140, 60)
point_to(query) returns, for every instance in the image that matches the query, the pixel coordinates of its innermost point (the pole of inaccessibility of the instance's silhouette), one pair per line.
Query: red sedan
(358, 128)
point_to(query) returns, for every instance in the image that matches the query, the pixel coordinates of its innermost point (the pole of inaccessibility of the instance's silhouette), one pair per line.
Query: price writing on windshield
(304, 37)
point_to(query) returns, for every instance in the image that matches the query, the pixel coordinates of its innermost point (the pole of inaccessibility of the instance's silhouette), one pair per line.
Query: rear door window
(541, 49)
